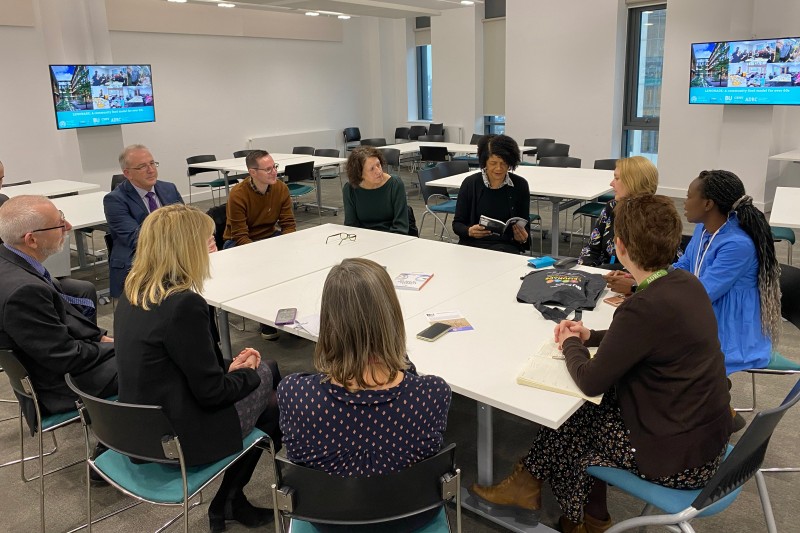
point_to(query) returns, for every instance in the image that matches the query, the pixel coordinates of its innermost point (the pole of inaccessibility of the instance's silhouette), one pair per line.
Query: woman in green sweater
(372, 198)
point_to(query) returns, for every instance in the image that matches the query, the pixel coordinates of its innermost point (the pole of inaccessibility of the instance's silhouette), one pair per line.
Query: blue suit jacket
(125, 212)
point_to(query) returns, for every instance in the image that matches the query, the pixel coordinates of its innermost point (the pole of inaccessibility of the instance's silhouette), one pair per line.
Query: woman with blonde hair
(337, 420)
(167, 357)
(632, 176)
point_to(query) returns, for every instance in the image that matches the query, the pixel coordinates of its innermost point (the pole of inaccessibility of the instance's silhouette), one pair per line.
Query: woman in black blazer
(167, 357)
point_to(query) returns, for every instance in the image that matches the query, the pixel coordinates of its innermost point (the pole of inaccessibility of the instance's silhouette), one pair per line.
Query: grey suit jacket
(50, 337)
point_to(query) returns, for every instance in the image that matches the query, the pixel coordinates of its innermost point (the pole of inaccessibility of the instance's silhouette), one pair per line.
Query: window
(424, 83)
(494, 124)
(643, 69)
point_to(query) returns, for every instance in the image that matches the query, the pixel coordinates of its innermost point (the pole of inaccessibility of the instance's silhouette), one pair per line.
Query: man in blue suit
(127, 206)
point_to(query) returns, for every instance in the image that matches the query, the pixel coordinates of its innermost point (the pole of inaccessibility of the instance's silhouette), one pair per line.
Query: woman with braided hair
(733, 255)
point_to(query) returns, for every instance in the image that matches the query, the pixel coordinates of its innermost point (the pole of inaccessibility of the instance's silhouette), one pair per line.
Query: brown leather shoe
(590, 524)
(520, 490)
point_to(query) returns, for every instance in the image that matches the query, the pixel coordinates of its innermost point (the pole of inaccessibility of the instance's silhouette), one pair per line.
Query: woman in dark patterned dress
(664, 414)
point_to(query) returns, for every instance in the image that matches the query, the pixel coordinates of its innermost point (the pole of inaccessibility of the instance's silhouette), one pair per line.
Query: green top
(382, 209)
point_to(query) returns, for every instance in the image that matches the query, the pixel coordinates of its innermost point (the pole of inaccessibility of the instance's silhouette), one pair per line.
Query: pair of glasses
(145, 166)
(270, 169)
(62, 226)
(342, 237)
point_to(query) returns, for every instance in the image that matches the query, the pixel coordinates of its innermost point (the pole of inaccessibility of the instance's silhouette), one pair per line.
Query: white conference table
(250, 268)
(50, 188)
(455, 270)
(556, 183)
(792, 155)
(785, 211)
(239, 166)
(481, 364)
(82, 211)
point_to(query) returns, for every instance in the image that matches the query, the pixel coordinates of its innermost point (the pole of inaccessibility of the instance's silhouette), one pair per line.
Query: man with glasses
(259, 208)
(127, 206)
(44, 326)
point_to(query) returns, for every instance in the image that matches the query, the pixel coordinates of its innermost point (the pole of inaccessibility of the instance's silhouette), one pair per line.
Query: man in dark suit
(44, 326)
(127, 206)
(3, 197)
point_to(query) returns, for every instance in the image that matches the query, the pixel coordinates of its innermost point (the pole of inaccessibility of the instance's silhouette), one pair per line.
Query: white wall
(563, 73)
(457, 61)
(211, 93)
(735, 138)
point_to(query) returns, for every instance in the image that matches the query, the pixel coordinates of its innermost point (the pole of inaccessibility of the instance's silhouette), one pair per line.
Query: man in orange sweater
(259, 208)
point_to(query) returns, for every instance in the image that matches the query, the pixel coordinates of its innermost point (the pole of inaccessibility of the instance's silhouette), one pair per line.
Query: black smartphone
(286, 316)
(434, 331)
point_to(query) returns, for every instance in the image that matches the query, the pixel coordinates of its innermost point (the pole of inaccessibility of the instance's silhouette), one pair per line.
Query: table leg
(505, 518)
(224, 334)
(319, 206)
(227, 185)
(80, 248)
(555, 234)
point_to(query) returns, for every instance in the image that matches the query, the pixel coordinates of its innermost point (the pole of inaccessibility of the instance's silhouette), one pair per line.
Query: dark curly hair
(357, 160)
(727, 192)
(502, 146)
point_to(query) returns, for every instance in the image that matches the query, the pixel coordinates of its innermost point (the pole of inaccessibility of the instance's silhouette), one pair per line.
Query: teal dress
(728, 269)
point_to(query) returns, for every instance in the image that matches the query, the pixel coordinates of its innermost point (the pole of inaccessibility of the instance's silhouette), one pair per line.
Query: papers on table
(454, 319)
(309, 323)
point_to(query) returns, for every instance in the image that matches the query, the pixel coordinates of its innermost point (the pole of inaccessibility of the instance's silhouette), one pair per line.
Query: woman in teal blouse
(372, 198)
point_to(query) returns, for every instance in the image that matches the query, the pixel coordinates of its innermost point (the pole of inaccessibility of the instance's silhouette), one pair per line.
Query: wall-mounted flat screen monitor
(757, 72)
(102, 95)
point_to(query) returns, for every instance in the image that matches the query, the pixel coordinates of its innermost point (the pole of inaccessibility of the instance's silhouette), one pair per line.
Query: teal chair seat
(51, 421)
(161, 483)
(669, 500)
(590, 209)
(779, 233)
(448, 207)
(437, 525)
(214, 184)
(780, 363)
(297, 189)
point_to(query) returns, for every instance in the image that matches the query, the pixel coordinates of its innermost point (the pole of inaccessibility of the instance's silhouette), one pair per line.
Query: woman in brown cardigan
(664, 414)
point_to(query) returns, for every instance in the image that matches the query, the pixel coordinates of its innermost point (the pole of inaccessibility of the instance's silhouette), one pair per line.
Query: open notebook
(547, 370)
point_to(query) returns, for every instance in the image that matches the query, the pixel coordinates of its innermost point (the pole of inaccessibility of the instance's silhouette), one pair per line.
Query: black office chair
(401, 134)
(605, 164)
(536, 142)
(559, 161)
(116, 179)
(552, 149)
(437, 202)
(433, 154)
(144, 433)
(304, 495)
(415, 131)
(436, 129)
(297, 173)
(212, 185)
(331, 172)
(431, 138)
(242, 153)
(375, 141)
(352, 138)
(451, 168)
(475, 138)
(303, 150)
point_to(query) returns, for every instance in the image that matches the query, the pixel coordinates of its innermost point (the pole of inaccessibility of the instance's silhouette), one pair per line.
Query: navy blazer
(125, 212)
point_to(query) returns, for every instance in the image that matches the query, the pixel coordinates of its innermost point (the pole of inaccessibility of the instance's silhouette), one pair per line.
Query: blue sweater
(729, 272)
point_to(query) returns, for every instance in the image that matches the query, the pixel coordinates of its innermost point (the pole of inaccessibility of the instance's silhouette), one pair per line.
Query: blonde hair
(171, 255)
(361, 325)
(638, 175)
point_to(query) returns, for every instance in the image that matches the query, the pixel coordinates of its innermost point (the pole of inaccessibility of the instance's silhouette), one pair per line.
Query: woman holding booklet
(664, 414)
(495, 193)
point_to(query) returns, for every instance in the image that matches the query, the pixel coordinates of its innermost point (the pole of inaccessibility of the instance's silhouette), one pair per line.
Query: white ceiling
(362, 8)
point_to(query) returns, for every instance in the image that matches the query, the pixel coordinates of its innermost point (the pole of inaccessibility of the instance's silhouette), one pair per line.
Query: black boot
(230, 502)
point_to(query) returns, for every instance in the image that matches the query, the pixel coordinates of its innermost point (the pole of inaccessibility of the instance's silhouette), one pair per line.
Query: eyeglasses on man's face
(144, 166)
(342, 237)
(269, 170)
(61, 227)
